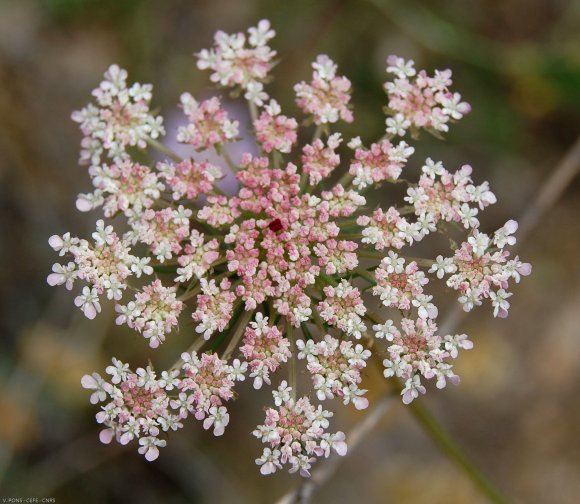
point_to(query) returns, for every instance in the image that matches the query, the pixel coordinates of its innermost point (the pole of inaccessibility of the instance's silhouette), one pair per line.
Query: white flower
(149, 447)
(255, 93)
(432, 168)
(282, 395)
(393, 263)
(397, 125)
(325, 67)
(400, 67)
(101, 387)
(503, 236)
(454, 107)
(269, 461)
(427, 310)
(386, 330)
(259, 324)
(479, 242)
(354, 143)
(63, 275)
(443, 265)
(500, 303)
(412, 389)
(219, 418)
(118, 371)
(88, 302)
(401, 152)
(239, 370)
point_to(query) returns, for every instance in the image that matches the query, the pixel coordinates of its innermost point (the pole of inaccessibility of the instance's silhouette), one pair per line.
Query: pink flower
(121, 118)
(327, 96)
(419, 101)
(153, 313)
(295, 435)
(265, 349)
(319, 161)
(418, 352)
(275, 131)
(293, 238)
(208, 125)
(190, 179)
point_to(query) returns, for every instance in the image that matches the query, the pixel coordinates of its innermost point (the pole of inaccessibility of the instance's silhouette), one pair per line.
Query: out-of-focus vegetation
(516, 411)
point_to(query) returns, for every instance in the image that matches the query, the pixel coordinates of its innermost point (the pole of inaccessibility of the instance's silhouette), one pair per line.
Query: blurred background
(516, 413)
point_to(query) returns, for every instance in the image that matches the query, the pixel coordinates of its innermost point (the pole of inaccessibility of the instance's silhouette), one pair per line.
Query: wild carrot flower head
(288, 272)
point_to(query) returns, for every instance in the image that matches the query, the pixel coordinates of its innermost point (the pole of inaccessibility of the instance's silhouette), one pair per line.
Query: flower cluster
(235, 64)
(295, 433)
(383, 161)
(208, 125)
(418, 352)
(189, 179)
(141, 405)
(274, 272)
(336, 367)
(327, 96)
(275, 131)
(154, 312)
(418, 101)
(264, 349)
(121, 118)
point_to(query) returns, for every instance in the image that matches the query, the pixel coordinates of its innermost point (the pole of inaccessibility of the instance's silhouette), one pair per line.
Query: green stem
(345, 180)
(317, 132)
(452, 450)
(218, 191)
(221, 151)
(192, 293)
(363, 273)
(195, 347)
(253, 111)
(164, 150)
(238, 332)
(292, 366)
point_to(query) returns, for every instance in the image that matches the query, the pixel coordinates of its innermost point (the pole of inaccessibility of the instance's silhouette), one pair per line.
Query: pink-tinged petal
(106, 436)
(83, 204)
(207, 423)
(55, 242)
(268, 468)
(90, 311)
(152, 453)
(55, 279)
(340, 447)
(361, 403)
(454, 380)
(511, 226)
(219, 430)
(525, 269)
(88, 382)
(125, 438)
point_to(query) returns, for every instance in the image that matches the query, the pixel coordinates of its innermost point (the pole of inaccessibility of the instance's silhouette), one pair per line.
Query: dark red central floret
(276, 225)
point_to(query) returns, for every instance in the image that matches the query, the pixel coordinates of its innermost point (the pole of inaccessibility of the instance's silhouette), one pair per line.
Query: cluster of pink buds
(289, 272)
